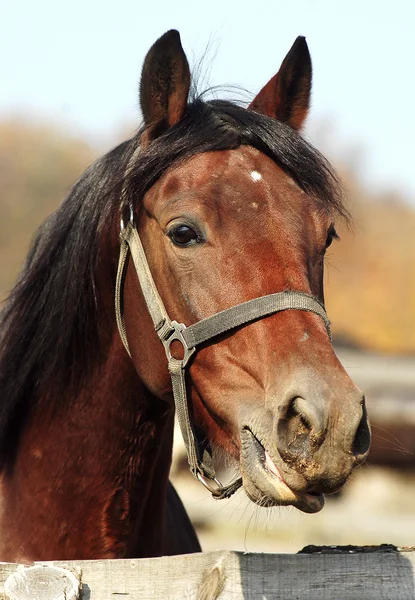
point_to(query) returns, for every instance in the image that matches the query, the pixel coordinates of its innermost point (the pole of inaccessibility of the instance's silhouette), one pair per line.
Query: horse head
(239, 207)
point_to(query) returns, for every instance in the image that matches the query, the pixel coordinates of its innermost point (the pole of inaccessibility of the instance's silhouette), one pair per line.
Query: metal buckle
(131, 219)
(215, 491)
(177, 335)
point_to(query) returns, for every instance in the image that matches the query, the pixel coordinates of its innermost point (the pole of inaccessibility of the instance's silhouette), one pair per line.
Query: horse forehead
(242, 164)
(238, 184)
(238, 168)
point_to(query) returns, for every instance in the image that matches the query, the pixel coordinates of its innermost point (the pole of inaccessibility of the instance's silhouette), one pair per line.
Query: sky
(78, 64)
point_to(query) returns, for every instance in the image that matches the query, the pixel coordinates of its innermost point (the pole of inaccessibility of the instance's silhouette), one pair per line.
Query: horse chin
(264, 484)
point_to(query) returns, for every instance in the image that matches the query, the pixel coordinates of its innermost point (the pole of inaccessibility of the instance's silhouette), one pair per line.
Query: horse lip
(265, 484)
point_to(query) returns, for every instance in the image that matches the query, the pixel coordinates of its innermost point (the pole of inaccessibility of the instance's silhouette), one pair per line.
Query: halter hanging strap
(192, 336)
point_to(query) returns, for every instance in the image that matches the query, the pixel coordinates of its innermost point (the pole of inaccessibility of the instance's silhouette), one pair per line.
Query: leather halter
(193, 336)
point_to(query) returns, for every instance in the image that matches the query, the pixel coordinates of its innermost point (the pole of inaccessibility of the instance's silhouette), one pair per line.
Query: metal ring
(176, 335)
(216, 492)
(122, 225)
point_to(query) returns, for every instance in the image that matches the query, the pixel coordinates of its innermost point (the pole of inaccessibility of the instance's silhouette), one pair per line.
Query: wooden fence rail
(327, 575)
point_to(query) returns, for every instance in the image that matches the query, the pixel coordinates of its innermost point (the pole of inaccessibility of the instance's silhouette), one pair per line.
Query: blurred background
(69, 93)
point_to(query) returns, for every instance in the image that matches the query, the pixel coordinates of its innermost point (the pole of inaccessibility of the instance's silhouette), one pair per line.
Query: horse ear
(165, 83)
(286, 96)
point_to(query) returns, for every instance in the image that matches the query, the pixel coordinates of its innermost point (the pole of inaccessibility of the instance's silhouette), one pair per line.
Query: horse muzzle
(263, 480)
(302, 453)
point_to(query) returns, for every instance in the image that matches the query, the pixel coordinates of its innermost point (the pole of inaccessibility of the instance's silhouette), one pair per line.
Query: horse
(206, 231)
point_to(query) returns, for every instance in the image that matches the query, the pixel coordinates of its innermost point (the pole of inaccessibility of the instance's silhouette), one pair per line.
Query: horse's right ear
(164, 86)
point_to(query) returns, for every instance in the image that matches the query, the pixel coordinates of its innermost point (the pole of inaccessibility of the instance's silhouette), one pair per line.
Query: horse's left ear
(286, 96)
(165, 83)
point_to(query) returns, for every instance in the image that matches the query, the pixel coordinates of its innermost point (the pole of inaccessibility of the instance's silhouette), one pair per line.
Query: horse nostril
(300, 430)
(361, 442)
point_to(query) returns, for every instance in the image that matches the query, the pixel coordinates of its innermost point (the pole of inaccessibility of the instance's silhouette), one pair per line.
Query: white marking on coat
(256, 175)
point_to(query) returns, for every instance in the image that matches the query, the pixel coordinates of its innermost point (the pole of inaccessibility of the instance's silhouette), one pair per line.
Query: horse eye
(183, 235)
(332, 235)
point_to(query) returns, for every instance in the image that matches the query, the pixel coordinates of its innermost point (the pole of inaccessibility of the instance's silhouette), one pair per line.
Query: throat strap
(194, 335)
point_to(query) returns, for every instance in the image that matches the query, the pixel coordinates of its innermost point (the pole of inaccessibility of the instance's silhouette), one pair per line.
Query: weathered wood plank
(239, 576)
(42, 582)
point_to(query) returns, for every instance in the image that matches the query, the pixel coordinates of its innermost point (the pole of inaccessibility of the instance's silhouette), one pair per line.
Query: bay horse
(210, 226)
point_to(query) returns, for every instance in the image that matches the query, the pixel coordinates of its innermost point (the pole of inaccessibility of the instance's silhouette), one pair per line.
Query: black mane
(49, 323)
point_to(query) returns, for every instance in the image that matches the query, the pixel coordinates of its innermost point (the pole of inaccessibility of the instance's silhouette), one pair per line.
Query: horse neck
(98, 464)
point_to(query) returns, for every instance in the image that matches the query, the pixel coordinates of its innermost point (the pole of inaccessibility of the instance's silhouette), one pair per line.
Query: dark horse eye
(332, 235)
(183, 235)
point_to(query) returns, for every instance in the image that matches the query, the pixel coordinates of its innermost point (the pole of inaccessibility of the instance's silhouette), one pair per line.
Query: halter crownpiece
(192, 336)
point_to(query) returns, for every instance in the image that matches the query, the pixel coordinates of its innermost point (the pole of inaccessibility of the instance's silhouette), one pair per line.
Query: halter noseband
(192, 336)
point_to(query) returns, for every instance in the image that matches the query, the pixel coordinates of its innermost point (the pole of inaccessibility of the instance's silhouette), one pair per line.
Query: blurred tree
(370, 275)
(38, 165)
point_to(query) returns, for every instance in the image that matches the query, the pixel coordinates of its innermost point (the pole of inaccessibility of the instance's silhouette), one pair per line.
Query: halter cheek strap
(192, 336)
